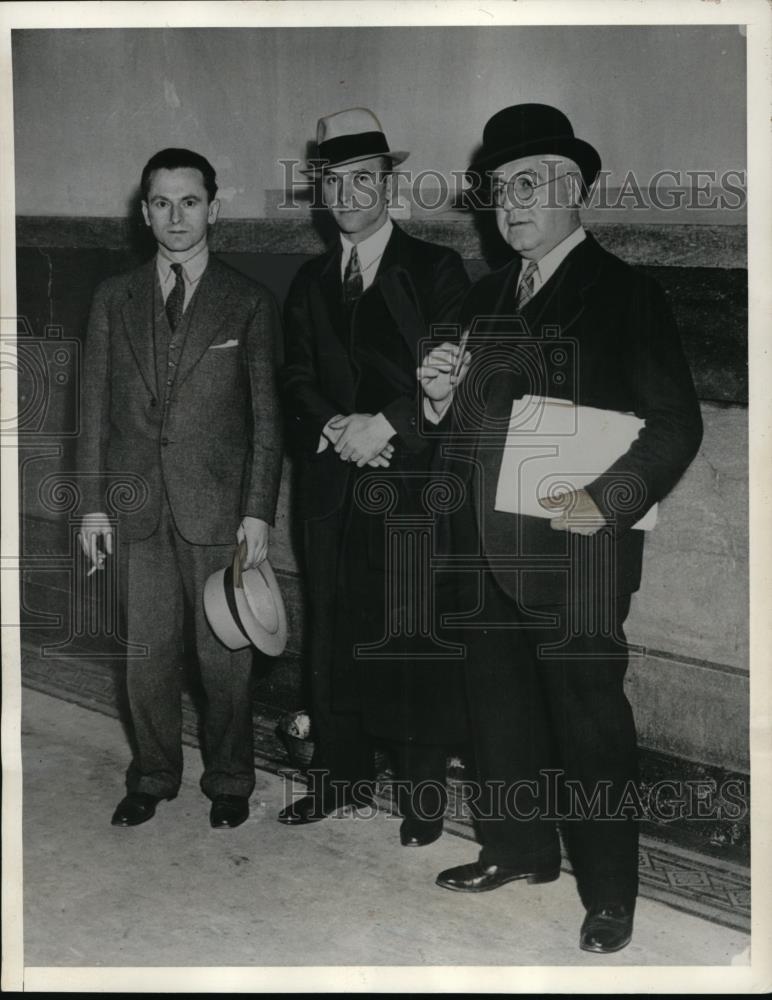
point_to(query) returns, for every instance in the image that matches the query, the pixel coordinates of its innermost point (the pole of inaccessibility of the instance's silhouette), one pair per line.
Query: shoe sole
(533, 879)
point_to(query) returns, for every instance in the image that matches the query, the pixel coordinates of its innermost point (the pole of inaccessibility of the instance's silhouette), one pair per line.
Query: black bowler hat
(348, 136)
(530, 130)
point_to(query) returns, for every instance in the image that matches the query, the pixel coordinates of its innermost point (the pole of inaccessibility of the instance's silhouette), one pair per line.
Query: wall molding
(652, 244)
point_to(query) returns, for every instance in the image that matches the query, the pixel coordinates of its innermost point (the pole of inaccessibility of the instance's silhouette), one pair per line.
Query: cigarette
(91, 571)
(461, 349)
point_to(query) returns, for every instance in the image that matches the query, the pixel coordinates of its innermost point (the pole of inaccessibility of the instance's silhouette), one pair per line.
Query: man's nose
(347, 191)
(176, 213)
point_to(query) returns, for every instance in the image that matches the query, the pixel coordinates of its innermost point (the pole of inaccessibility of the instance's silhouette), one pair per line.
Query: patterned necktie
(525, 288)
(175, 302)
(353, 284)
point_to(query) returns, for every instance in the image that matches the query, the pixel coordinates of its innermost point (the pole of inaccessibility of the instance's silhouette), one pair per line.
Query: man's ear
(214, 211)
(145, 213)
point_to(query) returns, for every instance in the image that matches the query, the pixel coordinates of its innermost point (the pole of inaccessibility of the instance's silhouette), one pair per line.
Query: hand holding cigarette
(444, 368)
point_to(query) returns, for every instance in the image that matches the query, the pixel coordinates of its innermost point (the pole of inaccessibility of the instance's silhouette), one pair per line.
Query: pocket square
(227, 343)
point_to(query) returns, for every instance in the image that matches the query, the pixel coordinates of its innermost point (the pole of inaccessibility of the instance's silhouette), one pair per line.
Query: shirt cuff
(431, 415)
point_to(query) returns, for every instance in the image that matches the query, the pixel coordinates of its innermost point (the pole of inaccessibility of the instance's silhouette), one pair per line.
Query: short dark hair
(174, 159)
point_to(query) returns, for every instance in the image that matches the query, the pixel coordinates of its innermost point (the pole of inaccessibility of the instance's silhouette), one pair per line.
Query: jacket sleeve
(307, 408)
(91, 448)
(449, 286)
(263, 343)
(662, 386)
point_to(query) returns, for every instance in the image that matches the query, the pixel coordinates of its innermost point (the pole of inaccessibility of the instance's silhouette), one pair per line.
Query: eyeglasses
(519, 190)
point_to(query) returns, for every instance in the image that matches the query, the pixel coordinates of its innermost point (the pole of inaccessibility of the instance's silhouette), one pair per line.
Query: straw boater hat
(246, 606)
(348, 136)
(530, 130)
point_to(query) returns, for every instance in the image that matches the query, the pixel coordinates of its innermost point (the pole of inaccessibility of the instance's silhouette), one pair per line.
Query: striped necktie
(525, 288)
(353, 283)
(175, 302)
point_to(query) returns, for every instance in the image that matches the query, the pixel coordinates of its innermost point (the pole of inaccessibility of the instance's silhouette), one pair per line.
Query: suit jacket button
(153, 401)
(164, 442)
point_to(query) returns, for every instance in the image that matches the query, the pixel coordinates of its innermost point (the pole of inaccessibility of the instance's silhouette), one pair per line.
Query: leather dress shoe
(482, 878)
(419, 833)
(606, 928)
(136, 808)
(310, 809)
(228, 811)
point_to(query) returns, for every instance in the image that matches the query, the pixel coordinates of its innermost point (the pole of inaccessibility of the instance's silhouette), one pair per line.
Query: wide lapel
(329, 288)
(138, 319)
(393, 280)
(210, 309)
(561, 303)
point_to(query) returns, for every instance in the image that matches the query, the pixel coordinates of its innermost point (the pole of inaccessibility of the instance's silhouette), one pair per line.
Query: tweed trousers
(165, 575)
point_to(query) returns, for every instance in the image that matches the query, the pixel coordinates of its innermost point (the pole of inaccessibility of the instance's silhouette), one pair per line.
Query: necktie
(176, 299)
(353, 285)
(525, 288)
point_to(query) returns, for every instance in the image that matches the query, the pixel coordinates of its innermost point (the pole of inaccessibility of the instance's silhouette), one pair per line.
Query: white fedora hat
(246, 606)
(348, 136)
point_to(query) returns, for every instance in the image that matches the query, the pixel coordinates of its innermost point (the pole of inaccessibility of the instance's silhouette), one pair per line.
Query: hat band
(351, 147)
(230, 600)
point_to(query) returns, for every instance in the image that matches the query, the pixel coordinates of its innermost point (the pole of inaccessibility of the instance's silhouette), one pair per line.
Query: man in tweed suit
(179, 390)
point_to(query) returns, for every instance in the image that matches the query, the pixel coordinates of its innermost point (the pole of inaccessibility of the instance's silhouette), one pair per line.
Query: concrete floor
(174, 892)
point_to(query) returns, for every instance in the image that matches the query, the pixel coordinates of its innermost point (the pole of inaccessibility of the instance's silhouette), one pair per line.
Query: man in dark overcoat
(565, 322)
(354, 320)
(179, 394)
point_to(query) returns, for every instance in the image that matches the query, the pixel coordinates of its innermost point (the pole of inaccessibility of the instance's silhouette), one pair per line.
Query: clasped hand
(362, 438)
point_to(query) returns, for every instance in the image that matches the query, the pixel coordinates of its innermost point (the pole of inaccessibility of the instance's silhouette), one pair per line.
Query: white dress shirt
(369, 252)
(551, 261)
(192, 269)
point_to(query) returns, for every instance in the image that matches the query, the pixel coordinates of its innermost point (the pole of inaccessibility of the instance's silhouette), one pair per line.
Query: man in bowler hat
(354, 320)
(545, 664)
(179, 391)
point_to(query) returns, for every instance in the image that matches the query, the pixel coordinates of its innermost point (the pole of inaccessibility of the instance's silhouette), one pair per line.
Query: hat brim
(219, 613)
(269, 637)
(582, 153)
(395, 155)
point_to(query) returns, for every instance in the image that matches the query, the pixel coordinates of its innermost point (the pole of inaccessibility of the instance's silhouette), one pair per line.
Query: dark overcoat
(601, 334)
(366, 362)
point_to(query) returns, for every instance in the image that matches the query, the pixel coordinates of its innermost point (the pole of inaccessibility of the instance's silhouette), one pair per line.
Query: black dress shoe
(311, 809)
(228, 811)
(136, 808)
(607, 928)
(419, 832)
(482, 878)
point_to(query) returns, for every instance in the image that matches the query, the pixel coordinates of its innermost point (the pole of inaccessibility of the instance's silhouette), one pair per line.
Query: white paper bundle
(553, 446)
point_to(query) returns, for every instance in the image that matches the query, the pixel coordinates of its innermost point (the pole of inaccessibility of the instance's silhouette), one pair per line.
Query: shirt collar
(368, 250)
(551, 261)
(192, 268)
